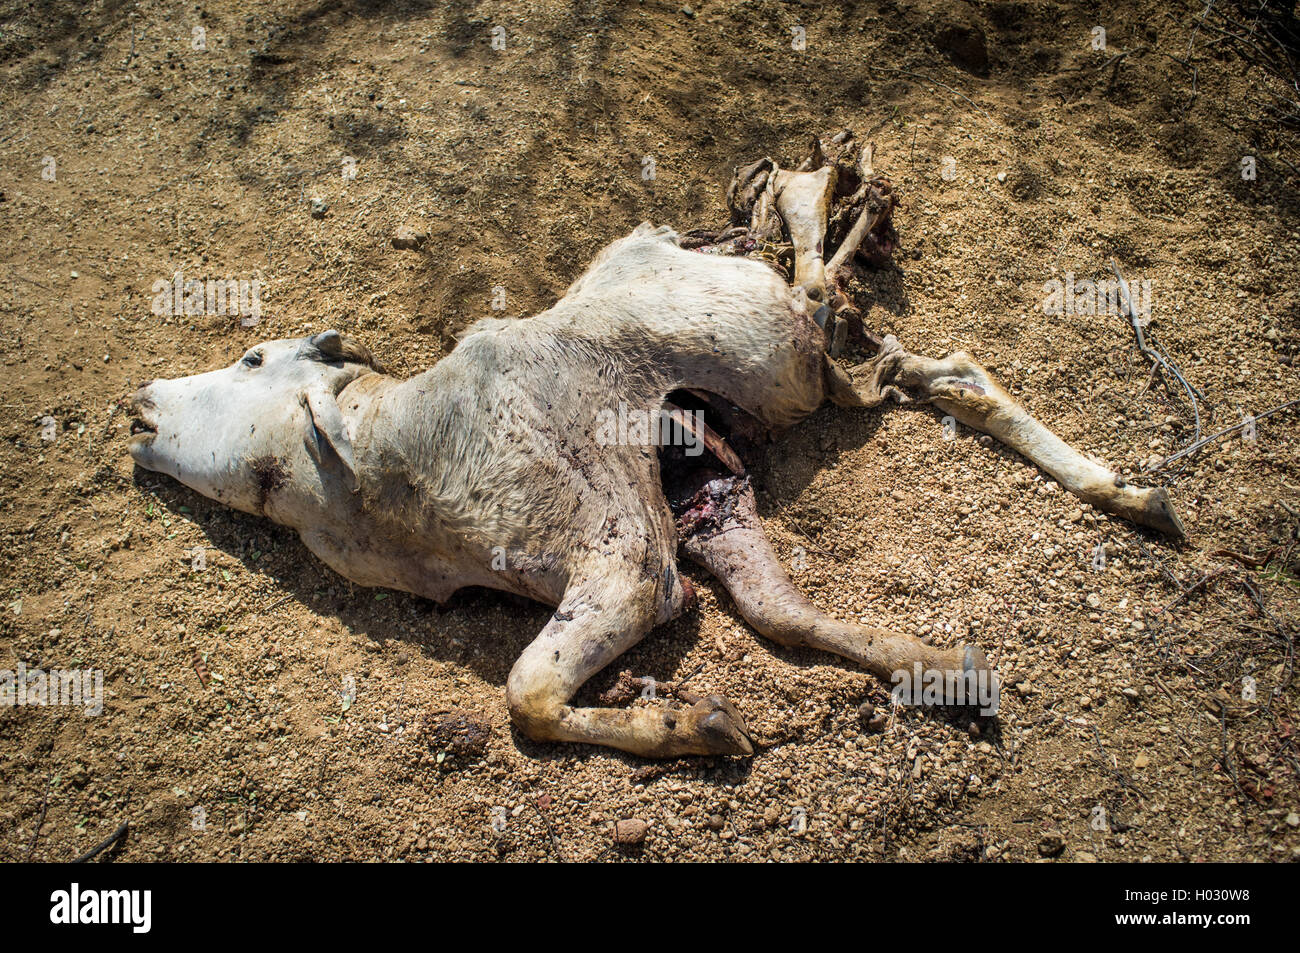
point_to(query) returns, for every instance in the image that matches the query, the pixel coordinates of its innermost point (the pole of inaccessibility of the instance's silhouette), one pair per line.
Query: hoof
(721, 726)
(980, 679)
(1160, 515)
(974, 660)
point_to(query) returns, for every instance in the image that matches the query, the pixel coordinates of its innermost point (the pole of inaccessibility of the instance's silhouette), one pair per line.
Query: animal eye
(253, 359)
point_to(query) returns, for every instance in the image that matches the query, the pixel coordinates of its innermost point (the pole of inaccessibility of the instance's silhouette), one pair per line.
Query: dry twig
(1155, 353)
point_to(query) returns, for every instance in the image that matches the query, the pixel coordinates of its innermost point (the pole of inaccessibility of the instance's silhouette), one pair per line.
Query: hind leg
(721, 531)
(598, 620)
(960, 387)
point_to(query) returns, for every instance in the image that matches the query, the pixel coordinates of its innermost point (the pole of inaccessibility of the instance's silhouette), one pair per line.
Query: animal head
(270, 419)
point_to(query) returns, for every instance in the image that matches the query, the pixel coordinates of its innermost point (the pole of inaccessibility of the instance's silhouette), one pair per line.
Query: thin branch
(1192, 448)
(1155, 353)
(106, 843)
(934, 82)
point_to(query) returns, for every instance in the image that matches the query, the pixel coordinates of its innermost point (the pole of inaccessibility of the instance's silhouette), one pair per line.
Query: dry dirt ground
(264, 708)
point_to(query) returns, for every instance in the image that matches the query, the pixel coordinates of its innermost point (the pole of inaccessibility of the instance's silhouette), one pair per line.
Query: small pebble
(1051, 845)
(629, 831)
(409, 239)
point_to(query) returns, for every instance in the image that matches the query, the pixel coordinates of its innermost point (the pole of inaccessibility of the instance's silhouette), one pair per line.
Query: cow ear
(329, 344)
(325, 432)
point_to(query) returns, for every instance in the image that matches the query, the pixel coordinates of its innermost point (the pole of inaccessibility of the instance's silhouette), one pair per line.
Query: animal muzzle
(144, 426)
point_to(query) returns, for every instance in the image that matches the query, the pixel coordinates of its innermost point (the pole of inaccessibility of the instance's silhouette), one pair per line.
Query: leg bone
(737, 551)
(962, 388)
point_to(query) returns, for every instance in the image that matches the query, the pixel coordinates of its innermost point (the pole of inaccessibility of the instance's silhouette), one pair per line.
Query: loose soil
(262, 708)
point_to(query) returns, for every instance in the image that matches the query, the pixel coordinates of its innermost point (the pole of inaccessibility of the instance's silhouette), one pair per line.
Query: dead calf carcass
(496, 467)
